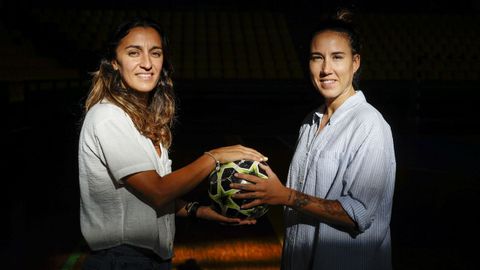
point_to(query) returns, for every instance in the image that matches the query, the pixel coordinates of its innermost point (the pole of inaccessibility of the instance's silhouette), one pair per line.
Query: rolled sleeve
(357, 211)
(367, 181)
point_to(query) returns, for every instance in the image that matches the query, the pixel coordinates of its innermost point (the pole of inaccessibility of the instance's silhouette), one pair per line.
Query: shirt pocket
(326, 172)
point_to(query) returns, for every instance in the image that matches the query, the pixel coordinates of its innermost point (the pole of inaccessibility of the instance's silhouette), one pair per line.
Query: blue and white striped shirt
(351, 160)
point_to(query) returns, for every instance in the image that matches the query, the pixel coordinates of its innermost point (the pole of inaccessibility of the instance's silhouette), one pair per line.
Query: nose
(146, 62)
(326, 67)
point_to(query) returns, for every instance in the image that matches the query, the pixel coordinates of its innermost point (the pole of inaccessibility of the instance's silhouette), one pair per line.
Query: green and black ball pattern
(221, 193)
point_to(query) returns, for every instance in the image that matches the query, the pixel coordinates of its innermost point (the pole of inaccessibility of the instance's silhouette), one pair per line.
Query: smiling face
(139, 59)
(332, 66)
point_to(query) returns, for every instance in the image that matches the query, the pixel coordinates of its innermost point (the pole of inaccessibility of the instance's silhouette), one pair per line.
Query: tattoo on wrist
(301, 200)
(290, 195)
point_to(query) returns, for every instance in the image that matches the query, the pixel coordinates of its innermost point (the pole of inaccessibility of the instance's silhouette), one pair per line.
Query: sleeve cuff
(356, 211)
(122, 173)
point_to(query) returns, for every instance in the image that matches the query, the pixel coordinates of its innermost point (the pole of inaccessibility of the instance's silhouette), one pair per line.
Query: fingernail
(265, 158)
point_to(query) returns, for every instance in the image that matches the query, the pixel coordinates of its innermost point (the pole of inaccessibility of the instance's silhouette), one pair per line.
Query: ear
(356, 62)
(114, 64)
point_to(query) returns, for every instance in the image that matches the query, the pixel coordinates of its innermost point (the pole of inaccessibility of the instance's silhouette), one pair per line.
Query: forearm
(186, 178)
(158, 191)
(328, 211)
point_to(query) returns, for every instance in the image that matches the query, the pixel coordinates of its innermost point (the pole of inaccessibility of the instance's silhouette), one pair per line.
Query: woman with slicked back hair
(339, 191)
(128, 193)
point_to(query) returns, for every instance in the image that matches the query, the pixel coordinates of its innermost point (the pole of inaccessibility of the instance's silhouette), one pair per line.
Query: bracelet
(192, 208)
(217, 163)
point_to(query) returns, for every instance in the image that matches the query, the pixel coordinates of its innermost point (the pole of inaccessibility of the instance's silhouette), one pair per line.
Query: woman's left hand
(206, 212)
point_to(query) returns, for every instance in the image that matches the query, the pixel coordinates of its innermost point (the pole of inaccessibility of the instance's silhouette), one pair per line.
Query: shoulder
(105, 109)
(373, 126)
(367, 113)
(105, 112)
(365, 117)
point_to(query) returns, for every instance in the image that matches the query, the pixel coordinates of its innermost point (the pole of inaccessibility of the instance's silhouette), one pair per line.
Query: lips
(324, 83)
(327, 81)
(145, 76)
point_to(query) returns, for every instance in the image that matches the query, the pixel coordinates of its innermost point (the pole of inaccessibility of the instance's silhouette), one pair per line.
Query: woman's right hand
(236, 152)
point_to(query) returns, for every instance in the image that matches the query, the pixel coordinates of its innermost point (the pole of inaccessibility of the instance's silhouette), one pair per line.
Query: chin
(146, 88)
(328, 93)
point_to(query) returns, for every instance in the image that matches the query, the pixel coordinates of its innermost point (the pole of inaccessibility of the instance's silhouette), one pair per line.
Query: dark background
(240, 76)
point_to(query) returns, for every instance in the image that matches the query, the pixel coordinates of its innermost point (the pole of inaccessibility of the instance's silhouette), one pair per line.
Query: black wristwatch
(192, 208)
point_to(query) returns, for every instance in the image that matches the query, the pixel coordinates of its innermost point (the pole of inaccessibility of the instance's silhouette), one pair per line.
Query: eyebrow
(317, 53)
(140, 47)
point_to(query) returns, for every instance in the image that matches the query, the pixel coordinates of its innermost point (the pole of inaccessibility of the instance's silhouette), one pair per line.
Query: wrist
(290, 197)
(192, 209)
(217, 162)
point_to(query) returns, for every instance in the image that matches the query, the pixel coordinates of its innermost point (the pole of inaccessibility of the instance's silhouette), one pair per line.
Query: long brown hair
(155, 119)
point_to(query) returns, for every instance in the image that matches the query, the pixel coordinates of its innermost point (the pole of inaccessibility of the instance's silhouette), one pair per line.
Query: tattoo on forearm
(301, 200)
(331, 208)
(327, 210)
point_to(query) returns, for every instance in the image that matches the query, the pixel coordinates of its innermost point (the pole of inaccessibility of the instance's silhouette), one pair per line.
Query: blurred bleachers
(21, 61)
(226, 44)
(259, 47)
(205, 43)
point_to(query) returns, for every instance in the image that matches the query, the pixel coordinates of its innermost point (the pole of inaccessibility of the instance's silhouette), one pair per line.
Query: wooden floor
(210, 246)
(206, 245)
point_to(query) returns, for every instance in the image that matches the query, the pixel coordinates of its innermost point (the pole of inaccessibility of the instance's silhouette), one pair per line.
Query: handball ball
(221, 193)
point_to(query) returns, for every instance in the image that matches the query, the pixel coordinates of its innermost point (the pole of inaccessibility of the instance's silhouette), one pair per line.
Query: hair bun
(344, 15)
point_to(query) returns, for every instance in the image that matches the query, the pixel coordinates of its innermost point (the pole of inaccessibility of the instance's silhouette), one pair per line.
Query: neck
(142, 97)
(331, 105)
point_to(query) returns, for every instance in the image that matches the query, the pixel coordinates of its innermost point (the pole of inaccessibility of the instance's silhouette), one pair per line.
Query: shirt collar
(351, 102)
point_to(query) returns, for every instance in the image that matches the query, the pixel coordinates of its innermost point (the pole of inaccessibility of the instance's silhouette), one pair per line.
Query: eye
(316, 58)
(157, 53)
(337, 57)
(133, 53)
